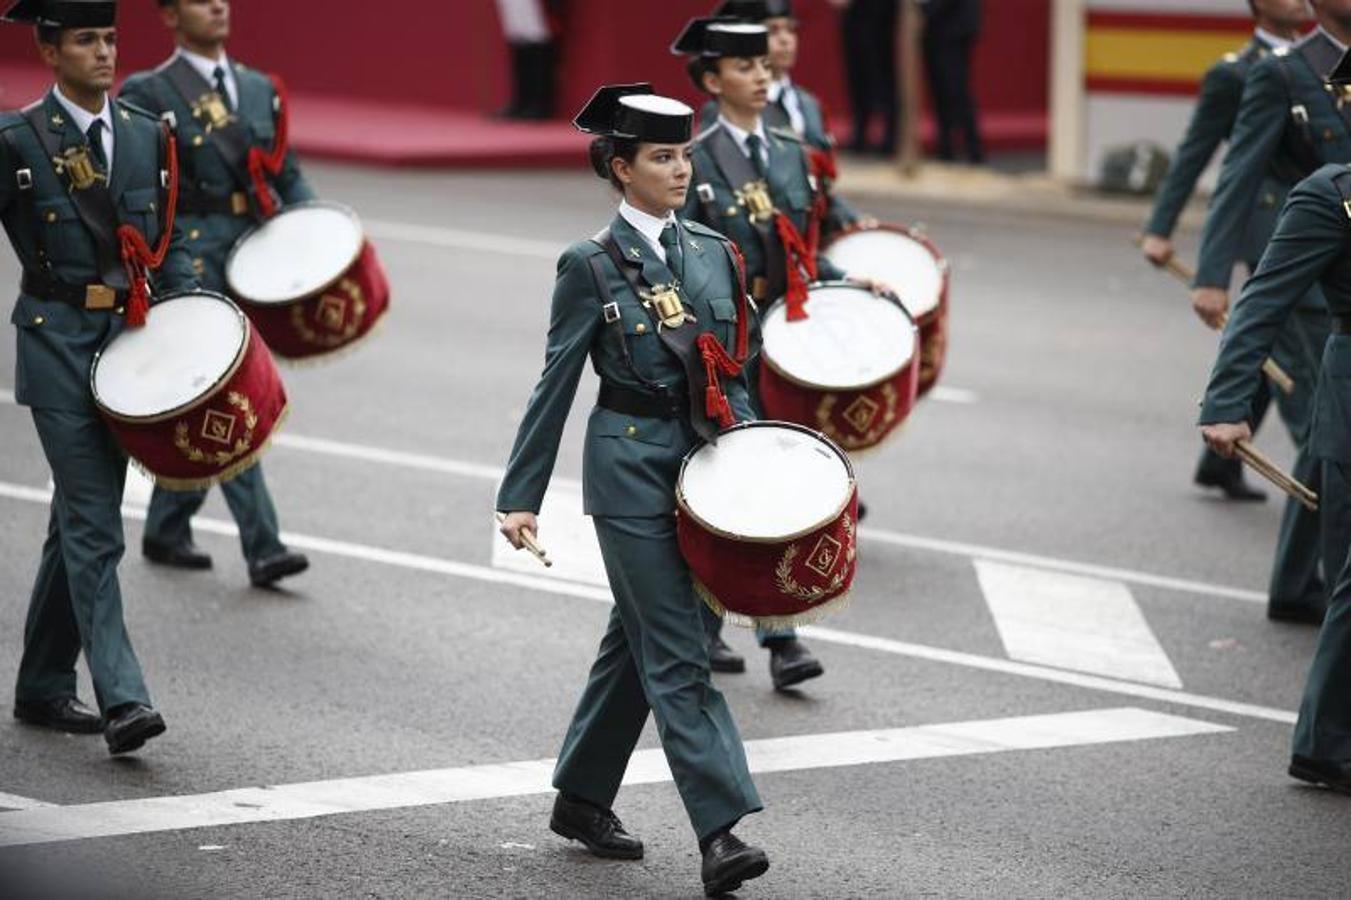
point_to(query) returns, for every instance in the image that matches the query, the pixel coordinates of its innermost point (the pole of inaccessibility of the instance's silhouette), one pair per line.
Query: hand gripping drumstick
(1263, 466)
(1185, 274)
(531, 544)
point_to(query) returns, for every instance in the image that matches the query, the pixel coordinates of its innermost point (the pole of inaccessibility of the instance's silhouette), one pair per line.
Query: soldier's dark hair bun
(604, 151)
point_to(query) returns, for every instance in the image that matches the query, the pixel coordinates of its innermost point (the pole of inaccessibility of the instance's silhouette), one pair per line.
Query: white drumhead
(850, 339)
(765, 481)
(899, 260)
(187, 345)
(298, 252)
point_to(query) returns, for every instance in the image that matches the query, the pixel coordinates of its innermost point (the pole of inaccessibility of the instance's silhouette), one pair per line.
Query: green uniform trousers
(1323, 730)
(76, 602)
(1295, 579)
(169, 520)
(654, 657)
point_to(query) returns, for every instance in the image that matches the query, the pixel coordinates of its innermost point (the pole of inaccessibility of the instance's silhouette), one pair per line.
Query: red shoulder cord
(263, 164)
(800, 261)
(717, 361)
(742, 349)
(137, 256)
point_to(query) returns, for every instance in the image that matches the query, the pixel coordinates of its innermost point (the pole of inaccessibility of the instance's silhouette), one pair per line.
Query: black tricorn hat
(755, 10)
(64, 13)
(1341, 75)
(633, 112)
(716, 36)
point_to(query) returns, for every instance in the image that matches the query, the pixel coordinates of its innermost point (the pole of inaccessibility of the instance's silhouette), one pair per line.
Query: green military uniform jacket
(814, 132)
(56, 340)
(714, 200)
(1308, 248)
(1211, 124)
(630, 463)
(203, 171)
(1288, 124)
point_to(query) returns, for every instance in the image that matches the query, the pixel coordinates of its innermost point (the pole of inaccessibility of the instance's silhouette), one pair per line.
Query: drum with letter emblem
(767, 521)
(309, 280)
(908, 261)
(193, 396)
(850, 369)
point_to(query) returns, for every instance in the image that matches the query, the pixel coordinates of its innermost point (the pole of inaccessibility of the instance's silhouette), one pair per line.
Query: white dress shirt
(791, 102)
(1275, 41)
(649, 226)
(740, 134)
(83, 118)
(207, 69)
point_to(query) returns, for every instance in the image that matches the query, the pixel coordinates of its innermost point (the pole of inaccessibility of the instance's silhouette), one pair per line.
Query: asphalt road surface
(1055, 678)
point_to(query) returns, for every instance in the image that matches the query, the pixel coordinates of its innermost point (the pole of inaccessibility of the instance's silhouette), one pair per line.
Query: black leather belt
(83, 296)
(236, 204)
(646, 404)
(1341, 324)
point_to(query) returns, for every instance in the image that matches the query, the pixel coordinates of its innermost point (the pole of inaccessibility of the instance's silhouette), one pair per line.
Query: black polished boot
(1335, 775)
(66, 714)
(1227, 475)
(722, 658)
(130, 726)
(271, 569)
(183, 556)
(790, 663)
(597, 828)
(728, 862)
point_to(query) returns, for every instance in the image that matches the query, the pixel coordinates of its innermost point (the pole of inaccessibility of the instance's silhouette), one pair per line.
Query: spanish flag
(1156, 53)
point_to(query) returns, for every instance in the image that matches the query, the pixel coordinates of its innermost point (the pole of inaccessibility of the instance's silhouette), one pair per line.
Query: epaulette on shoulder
(137, 110)
(10, 119)
(701, 228)
(787, 134)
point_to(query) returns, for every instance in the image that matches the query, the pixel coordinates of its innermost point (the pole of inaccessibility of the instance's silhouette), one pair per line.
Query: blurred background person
(951, 28)
(529, 29)
(869, 31)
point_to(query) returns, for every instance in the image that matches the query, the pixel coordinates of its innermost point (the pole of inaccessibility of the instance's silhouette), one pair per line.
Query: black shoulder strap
(737, 169)
(1342, 182)
(28, 198)
(680, 341)
(610, 312)
(93, 203)
(226, 134)
(1304, 148)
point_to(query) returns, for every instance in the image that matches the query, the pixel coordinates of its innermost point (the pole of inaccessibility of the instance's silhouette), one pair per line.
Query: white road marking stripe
(1073, 622)
(440, 786)
(829, 635)
(944, 394)
(494, 474)
(455, 239)
(14, 801)
(568, 536)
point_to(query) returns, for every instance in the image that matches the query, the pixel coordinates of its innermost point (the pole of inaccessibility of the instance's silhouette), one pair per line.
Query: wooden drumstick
(1186, 274)
(1262, 465)
(528, 539)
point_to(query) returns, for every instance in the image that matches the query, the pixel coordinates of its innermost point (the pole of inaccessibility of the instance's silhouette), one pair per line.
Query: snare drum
(766, 520)
(309, 280)
(908, 261)
(193, 396)
(850, 369)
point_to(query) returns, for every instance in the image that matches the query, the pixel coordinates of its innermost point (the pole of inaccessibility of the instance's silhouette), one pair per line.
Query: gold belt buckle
(99, 296)
(239, 203)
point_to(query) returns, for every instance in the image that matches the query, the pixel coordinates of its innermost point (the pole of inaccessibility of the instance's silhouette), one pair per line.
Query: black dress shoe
(1335, 775)
(62, 714)
(790, 663)
(1297, 615)
(597, 828)
(722, 658)
(271, 569)
(862, 510)
(728, 862)
(130, 726)
(1227, 475)
(184, 556)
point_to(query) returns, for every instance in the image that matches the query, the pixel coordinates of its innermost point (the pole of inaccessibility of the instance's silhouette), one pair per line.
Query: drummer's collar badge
(211, 109)
(58, 121)
(76, 164)
(635, 253)
(754, 196)
(664, 300)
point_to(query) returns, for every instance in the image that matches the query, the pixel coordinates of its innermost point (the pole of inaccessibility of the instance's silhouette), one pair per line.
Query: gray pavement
(402, 650)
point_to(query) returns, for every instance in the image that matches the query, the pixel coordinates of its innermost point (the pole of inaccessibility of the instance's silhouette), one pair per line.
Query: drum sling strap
(737, 170)
(1305, 147)
(93, 203)
(28, 202)
(693, 348)
(226, 133)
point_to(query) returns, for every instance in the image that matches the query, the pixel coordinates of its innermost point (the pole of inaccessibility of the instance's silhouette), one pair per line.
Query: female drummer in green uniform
(639, 300)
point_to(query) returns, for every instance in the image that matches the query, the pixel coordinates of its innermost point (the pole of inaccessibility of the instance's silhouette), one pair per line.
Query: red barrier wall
(450, 52)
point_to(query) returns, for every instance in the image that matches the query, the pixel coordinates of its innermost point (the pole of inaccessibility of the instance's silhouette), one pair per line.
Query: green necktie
(754, 146)
(670, 242)
(219, 72)
(95, 136)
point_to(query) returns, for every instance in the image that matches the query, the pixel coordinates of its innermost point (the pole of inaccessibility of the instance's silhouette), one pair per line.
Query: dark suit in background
(869, 29)
(950, 31)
